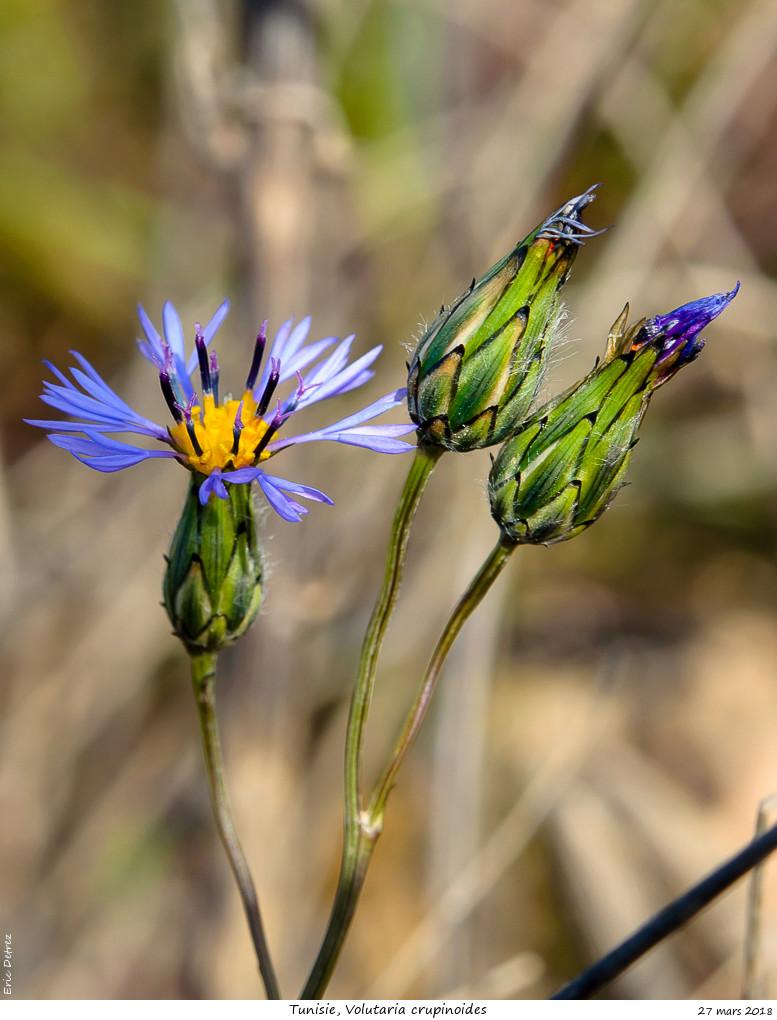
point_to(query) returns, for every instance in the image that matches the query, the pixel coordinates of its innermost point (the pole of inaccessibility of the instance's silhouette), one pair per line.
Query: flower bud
(561, 471)
(477, 369)
(213, 581)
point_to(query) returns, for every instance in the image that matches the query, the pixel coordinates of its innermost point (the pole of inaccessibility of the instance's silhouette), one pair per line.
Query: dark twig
(668, 920)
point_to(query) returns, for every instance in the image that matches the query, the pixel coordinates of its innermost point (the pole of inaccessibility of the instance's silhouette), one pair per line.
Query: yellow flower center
(214, 428)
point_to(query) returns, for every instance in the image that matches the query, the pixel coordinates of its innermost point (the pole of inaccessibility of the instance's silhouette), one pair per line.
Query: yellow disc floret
(214, 429)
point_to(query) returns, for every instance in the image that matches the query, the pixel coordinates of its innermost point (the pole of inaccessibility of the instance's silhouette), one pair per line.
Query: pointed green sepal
(191, 606)
(441, 381)
(558, 514)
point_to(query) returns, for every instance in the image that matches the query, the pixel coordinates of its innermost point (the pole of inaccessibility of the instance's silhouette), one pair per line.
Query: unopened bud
(561, 471)
(477, 369)
(213, 582)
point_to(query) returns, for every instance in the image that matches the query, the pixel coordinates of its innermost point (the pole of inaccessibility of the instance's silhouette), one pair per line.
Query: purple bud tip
(682, 326)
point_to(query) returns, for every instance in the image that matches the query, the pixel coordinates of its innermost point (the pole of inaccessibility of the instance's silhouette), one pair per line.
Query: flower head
(477, 370)
(222, 441)
(562, 470)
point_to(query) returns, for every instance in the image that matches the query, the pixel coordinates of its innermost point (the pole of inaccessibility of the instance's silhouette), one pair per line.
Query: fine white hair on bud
(477, 369)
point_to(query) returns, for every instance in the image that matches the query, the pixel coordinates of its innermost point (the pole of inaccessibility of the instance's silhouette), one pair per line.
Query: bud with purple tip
(561, 471)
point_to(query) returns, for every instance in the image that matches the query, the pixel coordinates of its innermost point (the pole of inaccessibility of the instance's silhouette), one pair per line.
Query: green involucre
(562, 470)
(212, 585)
(477, 369)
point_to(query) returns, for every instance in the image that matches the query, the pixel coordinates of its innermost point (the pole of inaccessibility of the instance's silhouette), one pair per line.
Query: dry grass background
(606, 725)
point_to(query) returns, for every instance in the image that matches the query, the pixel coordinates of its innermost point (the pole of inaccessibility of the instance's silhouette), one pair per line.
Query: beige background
(606, 726)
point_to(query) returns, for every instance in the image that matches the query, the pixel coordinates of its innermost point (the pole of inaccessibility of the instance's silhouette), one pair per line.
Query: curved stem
(203, 675)
(360, 836)
(469, 601)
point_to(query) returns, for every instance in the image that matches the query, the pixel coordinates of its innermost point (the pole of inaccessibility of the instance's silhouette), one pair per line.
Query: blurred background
(605, 728)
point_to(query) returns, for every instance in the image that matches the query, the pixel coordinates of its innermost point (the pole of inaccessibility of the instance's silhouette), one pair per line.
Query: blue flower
(222, 441)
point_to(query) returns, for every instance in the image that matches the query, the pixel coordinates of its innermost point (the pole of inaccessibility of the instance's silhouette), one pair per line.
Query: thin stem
(424, 461)
(360, 837)
(469, 601)
(203, 676)
(669, 919)
(751, 983)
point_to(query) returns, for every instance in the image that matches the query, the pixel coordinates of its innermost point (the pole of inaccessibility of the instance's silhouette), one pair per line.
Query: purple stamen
(184, 410)
(168, 368)
(256, 361)
(278, 418)
(237, 428)
(293, 402)
(214, 375)
(276, 422)
(169, 394)
(187, 413)
(272, 382)
(193, 437)
(202, 357)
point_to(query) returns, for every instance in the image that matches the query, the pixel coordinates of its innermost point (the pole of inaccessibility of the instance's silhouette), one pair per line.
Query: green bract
(213, 581)
(478, 367)
(561, 471)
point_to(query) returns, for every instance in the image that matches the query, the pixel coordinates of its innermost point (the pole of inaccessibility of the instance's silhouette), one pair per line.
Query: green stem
(203, 676)
(360, 837)
(467, 604)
